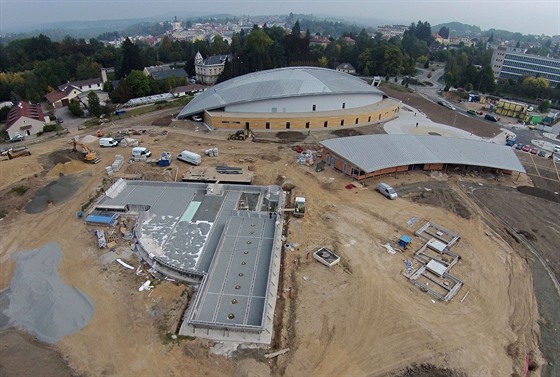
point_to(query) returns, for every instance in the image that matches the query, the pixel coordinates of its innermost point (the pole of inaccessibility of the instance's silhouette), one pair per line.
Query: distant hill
(459, 29)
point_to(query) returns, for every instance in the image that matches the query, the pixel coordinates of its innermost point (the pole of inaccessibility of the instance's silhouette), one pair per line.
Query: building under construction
(224, 239)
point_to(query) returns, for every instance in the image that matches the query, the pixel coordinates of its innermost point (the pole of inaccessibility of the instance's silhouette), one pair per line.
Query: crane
(89, 156)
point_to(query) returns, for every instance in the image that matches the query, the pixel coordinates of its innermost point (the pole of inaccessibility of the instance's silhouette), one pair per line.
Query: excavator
(242, 135)
(89, 156)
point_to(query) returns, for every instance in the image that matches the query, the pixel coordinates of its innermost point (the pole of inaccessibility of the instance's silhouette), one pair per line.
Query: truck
(189, 157)
(299, 206)
(165, 159)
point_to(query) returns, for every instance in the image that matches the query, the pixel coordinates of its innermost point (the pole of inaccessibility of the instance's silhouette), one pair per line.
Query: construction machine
(242, 135)
(89, 156)
(299, 206)
(18, 152)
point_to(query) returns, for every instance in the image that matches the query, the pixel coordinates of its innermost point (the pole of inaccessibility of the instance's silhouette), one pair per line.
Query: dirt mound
(539, 193)
(428, 370)
(289, 136)
(347, 132)
(66, 168)
(163, 122)
(440, 197)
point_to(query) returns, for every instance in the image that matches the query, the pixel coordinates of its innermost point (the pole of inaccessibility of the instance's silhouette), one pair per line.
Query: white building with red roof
(25, 119)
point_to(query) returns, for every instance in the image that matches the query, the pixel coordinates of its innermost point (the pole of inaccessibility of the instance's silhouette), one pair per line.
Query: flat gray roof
(375, 152)
(224, 233)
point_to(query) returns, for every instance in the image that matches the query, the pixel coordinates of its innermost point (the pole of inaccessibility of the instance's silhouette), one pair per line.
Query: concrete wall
(317, 120)
(305, 103)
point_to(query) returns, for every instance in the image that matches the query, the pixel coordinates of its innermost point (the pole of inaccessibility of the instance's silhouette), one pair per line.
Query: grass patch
(20, 190)
(397, 87)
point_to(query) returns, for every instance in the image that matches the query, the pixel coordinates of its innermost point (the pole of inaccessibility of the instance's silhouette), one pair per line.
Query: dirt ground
(360, 318)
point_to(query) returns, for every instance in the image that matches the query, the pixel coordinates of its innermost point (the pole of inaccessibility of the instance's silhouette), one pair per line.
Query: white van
(141, 152)
(190, 157)
(386, 190)
(108, 142)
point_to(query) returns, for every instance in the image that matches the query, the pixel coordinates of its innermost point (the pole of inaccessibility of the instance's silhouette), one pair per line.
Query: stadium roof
(375, 152)
(277, 83)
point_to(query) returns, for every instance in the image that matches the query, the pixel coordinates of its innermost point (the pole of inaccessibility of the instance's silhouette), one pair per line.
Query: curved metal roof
(277, 83)
(375, 152)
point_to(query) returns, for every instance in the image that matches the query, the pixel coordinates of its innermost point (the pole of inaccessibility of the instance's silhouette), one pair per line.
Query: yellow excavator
(88, 155)
(242, 135)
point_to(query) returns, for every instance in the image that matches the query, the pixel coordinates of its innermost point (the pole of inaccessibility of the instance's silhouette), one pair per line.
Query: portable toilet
(405, 241)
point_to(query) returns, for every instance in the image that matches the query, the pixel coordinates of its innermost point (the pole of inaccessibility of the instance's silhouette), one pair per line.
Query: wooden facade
(338, 163)
(379, 112)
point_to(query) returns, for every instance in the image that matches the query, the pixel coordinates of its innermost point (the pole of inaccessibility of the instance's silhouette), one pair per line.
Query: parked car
(526, 148)
(196, 118)
(447, 104)
(518, 146)
(491, 117)
(17, 137)
(472, 112)
(534, 150)
(542, 153)
(59, 120)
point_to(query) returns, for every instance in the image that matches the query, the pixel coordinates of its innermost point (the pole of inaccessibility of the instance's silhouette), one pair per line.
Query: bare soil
(359, 318)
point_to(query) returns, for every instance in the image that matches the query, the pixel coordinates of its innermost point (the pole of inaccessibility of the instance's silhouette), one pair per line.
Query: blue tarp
(108, 219)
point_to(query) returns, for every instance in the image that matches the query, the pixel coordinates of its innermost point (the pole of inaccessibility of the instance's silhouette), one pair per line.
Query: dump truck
(299, 206)
(18, 152)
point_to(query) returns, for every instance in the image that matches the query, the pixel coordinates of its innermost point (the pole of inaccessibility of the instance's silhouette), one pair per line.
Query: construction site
(262, 261)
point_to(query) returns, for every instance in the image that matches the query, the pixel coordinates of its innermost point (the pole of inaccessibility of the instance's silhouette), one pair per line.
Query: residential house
(319, 40)
(25, 119)
(346, 68)
(439, 39)
(62, 97)
(189, 89)
(70, 90)
(209, 70)
(390, 31)
(165, 71)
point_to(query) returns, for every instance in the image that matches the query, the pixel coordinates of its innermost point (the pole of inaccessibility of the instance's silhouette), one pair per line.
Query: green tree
(93, 104)
(444, 32)
(130, 59)
(138, 84)
(534, 86)
(544, 106)
(75, 108)
(4, 113)
(257, 42)
(219, 46)
(392, 60)
(87, 69)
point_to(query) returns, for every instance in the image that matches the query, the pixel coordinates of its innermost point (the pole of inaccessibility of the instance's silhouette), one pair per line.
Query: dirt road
(359, 318)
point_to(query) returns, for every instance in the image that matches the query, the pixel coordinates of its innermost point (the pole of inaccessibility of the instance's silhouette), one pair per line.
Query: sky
(527, 17)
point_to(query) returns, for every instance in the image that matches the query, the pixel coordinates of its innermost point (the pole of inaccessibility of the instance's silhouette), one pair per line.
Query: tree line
(32, 67)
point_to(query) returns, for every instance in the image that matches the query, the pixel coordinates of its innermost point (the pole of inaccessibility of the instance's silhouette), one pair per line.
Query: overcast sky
(528, 17)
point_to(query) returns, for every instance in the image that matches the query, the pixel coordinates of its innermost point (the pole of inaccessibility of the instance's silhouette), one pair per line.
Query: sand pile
(66, 168)
(88, 139)
(39, 301)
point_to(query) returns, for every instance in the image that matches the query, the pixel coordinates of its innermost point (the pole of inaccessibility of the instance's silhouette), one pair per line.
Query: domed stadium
(293, 97)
